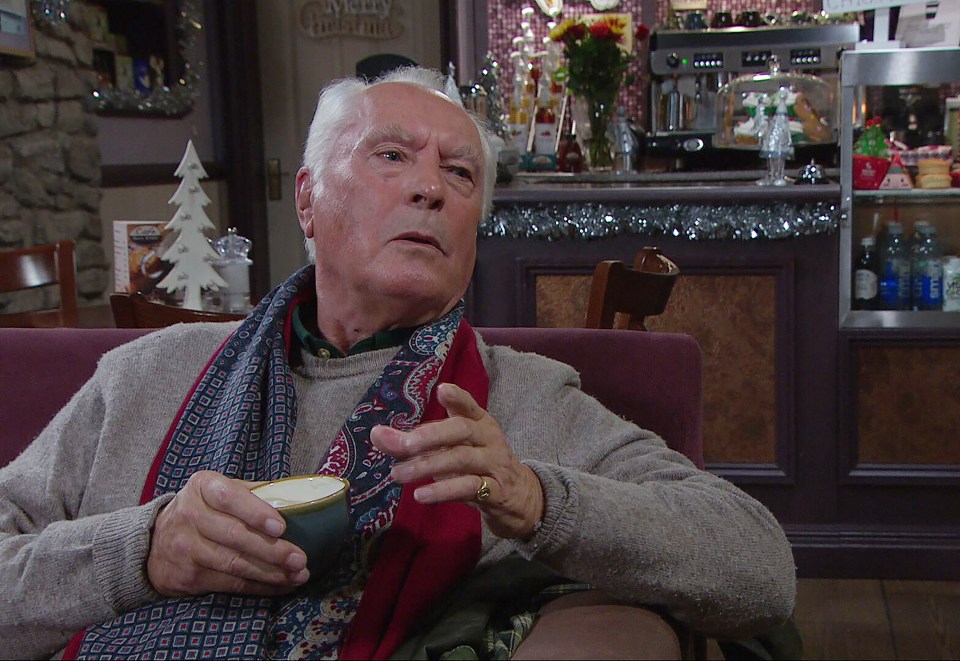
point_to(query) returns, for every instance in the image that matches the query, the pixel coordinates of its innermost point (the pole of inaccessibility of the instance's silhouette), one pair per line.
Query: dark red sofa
(653, 379)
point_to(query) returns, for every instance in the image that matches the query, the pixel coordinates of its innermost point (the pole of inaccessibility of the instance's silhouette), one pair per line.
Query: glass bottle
(520, 102)
(912, 137)
(569, 156)
(545, 120)
(866, 291)
(569, 153)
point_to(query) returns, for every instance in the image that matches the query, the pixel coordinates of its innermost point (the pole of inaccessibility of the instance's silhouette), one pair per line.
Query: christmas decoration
(174, 100)
(896, 177)
(191, 253)
(489, 80)
(776, 144)
(872, 142)
(450, 88)
(51, 13)
(870, 157)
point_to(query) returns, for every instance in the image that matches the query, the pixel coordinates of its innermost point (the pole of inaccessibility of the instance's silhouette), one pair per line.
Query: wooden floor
(874, 619)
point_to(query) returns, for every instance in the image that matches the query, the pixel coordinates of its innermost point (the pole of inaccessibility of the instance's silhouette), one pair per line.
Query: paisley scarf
(402, 556)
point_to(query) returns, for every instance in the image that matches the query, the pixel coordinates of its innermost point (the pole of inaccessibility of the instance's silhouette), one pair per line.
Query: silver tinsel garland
(489, 80)
(174, 101)
(596, 220)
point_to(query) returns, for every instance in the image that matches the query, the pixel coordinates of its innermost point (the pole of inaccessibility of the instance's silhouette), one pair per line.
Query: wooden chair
(137, 311)
(622, 297)
(41, 266)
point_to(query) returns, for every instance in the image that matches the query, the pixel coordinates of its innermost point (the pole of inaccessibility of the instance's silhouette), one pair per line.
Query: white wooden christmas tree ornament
(191, 253)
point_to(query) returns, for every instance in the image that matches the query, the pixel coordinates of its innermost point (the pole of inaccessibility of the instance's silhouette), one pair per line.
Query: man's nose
(427, 190)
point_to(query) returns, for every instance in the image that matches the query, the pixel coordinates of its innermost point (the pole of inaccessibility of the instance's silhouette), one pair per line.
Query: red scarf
(427, 549)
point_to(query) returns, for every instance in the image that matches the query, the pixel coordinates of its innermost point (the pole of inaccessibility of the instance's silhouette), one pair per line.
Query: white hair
(337, 106)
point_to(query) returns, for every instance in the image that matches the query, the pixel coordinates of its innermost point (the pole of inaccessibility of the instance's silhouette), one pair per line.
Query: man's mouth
(423, 239)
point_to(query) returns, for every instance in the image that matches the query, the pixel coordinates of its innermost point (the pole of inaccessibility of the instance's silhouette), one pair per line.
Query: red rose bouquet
(596, 69)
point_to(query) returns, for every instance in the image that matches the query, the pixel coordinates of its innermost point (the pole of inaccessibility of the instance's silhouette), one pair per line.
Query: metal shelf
(869, 68)
(900, 319)
(903, 66)
(917, 194)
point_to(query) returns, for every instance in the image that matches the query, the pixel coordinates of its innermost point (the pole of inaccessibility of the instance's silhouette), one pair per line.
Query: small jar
(234, 267)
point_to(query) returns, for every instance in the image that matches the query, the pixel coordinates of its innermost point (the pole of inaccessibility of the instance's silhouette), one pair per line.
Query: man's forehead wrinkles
(393, 132)
(388, 131)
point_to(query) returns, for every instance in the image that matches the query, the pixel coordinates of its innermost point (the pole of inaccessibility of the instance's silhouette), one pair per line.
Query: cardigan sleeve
(60, 572)
(74, 539)
(628, 515)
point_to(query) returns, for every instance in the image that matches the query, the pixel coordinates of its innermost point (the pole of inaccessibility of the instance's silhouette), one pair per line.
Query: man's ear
(305, 201)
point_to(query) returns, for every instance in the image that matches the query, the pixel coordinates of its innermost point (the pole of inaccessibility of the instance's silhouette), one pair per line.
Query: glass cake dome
(811, 108)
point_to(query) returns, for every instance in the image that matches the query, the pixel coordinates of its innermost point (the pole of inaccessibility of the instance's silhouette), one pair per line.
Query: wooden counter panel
(733, 318)
(562, 300)
(907, 406)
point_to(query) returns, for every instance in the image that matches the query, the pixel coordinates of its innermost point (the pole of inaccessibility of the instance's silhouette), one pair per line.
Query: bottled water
(951, 284)
(894, 270)
(926, 269)
(915, 281)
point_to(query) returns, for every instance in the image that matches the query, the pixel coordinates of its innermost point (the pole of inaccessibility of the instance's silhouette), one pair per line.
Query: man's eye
(463, 173)
(392, 155)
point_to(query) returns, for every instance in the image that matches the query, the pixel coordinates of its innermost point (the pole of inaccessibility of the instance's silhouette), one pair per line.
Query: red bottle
(569, 156)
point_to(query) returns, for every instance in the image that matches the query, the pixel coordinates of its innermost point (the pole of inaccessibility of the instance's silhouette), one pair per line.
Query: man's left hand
(460, 454)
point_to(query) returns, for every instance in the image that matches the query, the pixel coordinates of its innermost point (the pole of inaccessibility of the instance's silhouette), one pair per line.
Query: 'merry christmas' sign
(370, 19)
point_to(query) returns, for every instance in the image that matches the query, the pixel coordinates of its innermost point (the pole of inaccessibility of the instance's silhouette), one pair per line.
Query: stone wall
(50, 160)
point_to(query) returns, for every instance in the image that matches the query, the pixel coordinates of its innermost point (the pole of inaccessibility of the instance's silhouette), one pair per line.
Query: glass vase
(593, 118)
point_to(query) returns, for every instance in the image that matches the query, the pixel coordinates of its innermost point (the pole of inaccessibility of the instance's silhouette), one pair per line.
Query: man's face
(401, 202)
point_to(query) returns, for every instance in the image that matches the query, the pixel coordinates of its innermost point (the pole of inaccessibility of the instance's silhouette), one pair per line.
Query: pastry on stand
(810, 103)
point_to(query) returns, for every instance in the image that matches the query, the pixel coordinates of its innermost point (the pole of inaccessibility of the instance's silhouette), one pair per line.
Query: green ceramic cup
(316, 509)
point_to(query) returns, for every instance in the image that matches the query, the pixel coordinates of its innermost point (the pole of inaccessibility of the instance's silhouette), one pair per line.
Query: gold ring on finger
(483, 492)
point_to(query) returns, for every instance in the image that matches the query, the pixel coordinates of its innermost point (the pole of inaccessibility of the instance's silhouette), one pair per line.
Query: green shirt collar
(305, 330)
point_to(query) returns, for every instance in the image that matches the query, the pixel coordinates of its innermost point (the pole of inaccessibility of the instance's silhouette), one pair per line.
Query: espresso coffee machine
(688, 67)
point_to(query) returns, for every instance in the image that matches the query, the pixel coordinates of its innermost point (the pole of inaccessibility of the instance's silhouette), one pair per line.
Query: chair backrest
(41, 266)
(137, 311)
(622, 297)
(652, 379)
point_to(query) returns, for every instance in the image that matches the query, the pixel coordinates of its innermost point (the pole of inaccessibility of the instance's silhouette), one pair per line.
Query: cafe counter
(546, 224)
(758, 290)
(697, 206)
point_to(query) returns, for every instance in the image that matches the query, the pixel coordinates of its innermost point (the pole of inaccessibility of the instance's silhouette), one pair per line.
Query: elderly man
(129, 529)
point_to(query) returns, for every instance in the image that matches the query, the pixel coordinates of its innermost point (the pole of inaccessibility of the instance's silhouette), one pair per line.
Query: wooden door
(304, 45)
